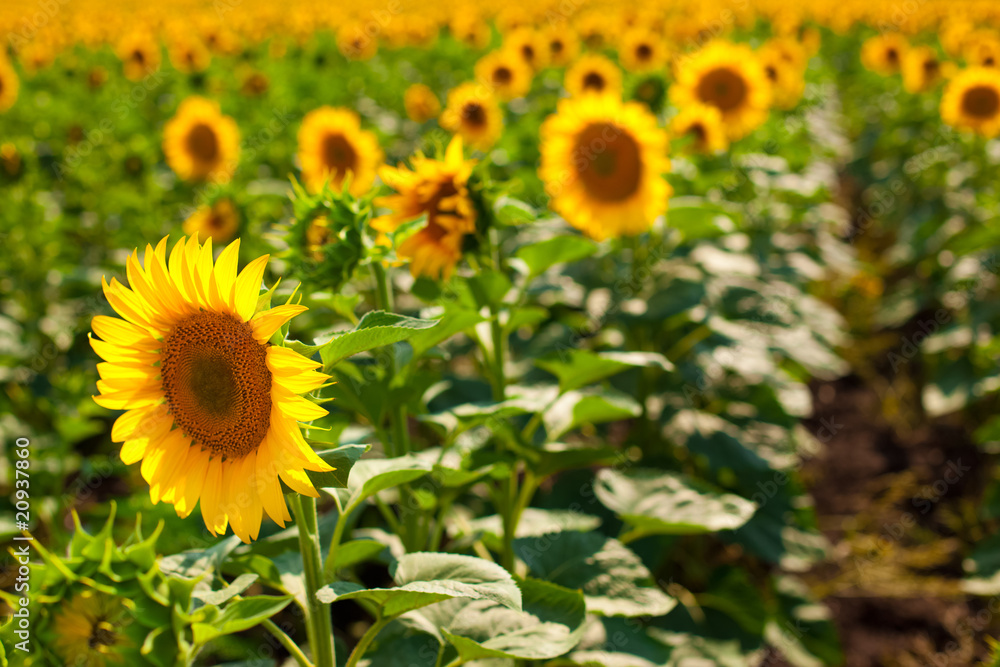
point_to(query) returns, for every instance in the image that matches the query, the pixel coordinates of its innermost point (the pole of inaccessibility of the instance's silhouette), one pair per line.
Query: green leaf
(655, 502)
(613, 579)
(372, 476)
(534, 522)
(451, 323)
(239, 616)
(220, 597)
(376, 329)
(342, 459)
(550, 624)
(556, 457)
(588, 406)
(353, 552)
(510, 211)
(542, 255)
(426, 578)
(696, 218)
(578, 368)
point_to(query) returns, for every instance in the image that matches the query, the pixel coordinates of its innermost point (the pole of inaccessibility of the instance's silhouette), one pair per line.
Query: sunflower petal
(266, 322)
(248, 287)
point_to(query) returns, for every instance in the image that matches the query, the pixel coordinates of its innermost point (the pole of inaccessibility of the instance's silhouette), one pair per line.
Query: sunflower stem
(320, 624)
(286, 641)
(397, 415)
(366, 640)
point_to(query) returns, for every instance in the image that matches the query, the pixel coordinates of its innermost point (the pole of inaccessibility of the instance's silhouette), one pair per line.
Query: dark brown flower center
(593, 81)
(502, 75)
(203, 144)
(217, 383)
(644, 52)
(474, 115)
(102, 634)
(339, 156)
(608, 162)
(981, 102)
(722, 88)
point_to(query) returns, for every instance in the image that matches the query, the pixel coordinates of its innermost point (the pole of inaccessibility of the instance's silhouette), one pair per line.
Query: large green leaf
(372, 476)
(545, 254)
(239, 616)
(578, 368)
(426, 578)
(657, 502)
(240, 584)
(613, 579)
(376, 329)
(453, 322)
(534, 522)
(588, 406)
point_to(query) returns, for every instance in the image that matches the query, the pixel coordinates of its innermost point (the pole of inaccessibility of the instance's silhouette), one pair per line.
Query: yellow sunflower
(471, 28)
(212, 408)
(140, 55)
(530, 46)
(188, 54)
(9, 85)
(421, 103)
(728, 77)
(332, 145)
(784, 74)
(439, 190)
(564, 46)
(473, 114)
(200, 143)
(702, 124)
(89, 630)
(254, 84)
(10, 159)
(505, 74)
(603, 163)
(982, 49)
(883, 54)
(642, 50)
(355, 43)
(972, 101)
(593, 74)
(220, 222)
(922, 69)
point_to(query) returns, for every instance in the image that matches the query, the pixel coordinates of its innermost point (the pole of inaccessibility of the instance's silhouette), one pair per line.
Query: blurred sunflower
(254, 84)
(188, 54)
(703, 124)
(972, 101)
(96, 77)
(140, 55)
(564, 46)
(921, 69)
(504, 73)
(421, 103)
(211, 407)
(201, 143)
(470, 28)
(642, 50)
(603, 163)
(439, 190)
(982, 49)
(728, 77)
(332, 145)
(530, 46)
(786, 78)
(593, 73)
(9, 85)
(354, 43)
(473, 114)
(883, 54)
(10, 159)
(89, 630)
(317, 236)
(218, 221)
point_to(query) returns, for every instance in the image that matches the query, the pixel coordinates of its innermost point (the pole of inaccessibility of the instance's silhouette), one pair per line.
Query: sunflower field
(565, 333)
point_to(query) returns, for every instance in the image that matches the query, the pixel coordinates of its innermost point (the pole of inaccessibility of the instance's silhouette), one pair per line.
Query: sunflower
(982, 49)
(96, 77)
(331, 145)
(89, 630)
(504, 73)
(783, 73)
(473, 114)
(564, 46)
(200, 143)
(972, 101)
(140, 55)
(255, 84)
(922, 69)
(728, 77)
(10, 159)
(530, 46)
(439, 190)
(211, 406)
(883, 54)
(356, 44)
(188, 54)
(9, 85)
(642, 51)
(703, 125)
(593, 73)
(469, 27)
(220, 222)
(602, 165)
(421, 103)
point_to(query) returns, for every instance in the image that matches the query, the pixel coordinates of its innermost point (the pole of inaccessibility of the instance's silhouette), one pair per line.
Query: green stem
(366, 640)
(397, 414)
(288, 643)
(320, 624)
(338, 535)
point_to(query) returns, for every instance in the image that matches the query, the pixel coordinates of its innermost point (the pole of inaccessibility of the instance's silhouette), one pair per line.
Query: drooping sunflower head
(333, 145)
(593, 74)
(922, 69)
(218, 221)
(9, 85)
(140, 55)
(701, 126)
(200, 143)
(473, 114)
(421, 103)
(505, 74)
(883, 54)
(971, 101)
(529, 45)
(603, 163)
(784, 73)
(642, 50)
(728, 77)
(212, 407)
(437, 189)
(89, 630)
(355, 43)
(564, 45)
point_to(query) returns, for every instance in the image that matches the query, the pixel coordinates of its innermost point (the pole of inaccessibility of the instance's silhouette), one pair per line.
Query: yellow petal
(194, 480)
(281, 359)
(301, 383)
(119, 332)
(248, 287)
(295, 406)
(211, 492)
(225, 273)
(266, 322)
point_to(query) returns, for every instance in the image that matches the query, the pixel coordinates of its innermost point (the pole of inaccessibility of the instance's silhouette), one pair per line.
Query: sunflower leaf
(545, 254)
(376, 329)
(342, 459)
